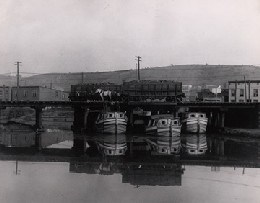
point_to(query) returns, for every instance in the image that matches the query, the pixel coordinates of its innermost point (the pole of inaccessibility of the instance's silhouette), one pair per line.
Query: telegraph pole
(136, 70)
(82, 77)
(17, 82)
(138, 66)
(245, 88)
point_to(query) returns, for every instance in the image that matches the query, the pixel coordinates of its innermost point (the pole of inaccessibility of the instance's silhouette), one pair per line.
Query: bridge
(36, 104)
(130, 103)
(220, 114)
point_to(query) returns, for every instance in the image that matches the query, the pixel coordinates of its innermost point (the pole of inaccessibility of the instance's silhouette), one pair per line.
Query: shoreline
(242, 132)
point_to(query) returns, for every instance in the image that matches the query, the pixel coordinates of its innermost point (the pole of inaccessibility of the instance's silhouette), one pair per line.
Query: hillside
(187, 74)
(7, 80)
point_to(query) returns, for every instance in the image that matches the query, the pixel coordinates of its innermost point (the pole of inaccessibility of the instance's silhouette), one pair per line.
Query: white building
(244, 91)
(191, 92)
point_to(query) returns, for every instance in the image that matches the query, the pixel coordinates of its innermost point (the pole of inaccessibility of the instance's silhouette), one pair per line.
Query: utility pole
(136, 70)
(82, 77)
(249, 92)
(4, 93)
(138, 66)
(236, 91)
(245, 88)
(17, 82)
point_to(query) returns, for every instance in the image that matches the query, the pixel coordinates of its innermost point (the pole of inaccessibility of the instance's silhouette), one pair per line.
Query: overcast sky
(96, 35)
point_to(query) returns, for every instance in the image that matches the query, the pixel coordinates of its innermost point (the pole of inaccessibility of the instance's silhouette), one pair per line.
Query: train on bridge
(136, 90)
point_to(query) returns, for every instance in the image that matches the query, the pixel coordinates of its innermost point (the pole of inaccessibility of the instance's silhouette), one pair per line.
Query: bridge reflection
(141, 160)
(25, 137)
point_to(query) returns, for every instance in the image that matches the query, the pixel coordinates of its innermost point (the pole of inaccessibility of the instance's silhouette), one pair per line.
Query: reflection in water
(196, 144)
(17, 139)
(112, 145)
(153, 174)
(77, 181)
(214, 147)
(15, 135)
(140, 160)
(136, 167)
(134, 172)
(101, 168)
(17, 171)
(28, 138)
(164, 145)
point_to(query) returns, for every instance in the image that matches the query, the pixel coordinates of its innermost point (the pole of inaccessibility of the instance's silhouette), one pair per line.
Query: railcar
(153, 90)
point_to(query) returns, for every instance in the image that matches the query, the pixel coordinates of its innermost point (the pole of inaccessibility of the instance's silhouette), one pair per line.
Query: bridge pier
(217, 146)
(222, 119)
(38, 118)
(214, 120)
(86, 113)
(221, 147)
(131, 117)
(80, 122)
(219, 119)
(258, 116)
(38, 141)
(79, 143)
(209, 119)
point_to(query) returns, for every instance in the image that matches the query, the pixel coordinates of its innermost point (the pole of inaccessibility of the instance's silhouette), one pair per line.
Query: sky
(103, 35)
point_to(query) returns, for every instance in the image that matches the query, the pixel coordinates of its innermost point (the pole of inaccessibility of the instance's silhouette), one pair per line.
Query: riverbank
(54, 118)
(242, 132)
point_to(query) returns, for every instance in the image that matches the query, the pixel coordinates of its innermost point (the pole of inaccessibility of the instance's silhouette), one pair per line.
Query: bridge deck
(133, 104)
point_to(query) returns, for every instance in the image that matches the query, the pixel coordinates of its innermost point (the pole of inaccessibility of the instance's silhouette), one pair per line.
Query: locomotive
(96, 92)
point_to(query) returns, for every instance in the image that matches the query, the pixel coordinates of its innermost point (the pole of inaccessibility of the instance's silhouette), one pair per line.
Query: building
(213, 95)
(205, 93)
(5, 93)
(244, 91)
(225, 95)
(207, 96)
(38, 93)
(190, 92)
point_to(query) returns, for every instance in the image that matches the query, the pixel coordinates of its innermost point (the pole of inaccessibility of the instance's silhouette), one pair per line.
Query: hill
(7, 80)
(187, 74)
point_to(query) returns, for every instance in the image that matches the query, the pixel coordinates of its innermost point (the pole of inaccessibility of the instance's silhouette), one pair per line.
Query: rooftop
(37, 86)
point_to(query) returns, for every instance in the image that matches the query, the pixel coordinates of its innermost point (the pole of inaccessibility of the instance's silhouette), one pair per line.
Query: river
(59, 166)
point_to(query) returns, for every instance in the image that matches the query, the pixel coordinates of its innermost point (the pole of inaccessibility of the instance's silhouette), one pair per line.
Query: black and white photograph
(129, 101)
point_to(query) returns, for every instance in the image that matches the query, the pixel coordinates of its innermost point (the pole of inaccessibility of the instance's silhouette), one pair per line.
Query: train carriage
(153, 90)
(136, 90)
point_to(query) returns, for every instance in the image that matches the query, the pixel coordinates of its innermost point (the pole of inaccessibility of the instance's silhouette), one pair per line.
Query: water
(57, 166)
